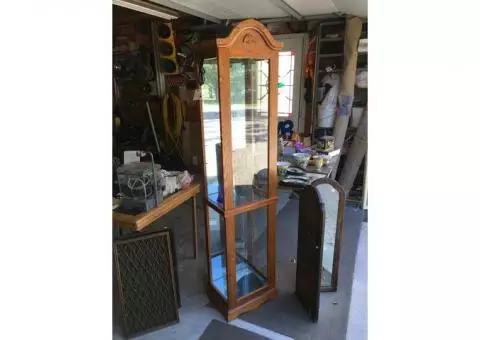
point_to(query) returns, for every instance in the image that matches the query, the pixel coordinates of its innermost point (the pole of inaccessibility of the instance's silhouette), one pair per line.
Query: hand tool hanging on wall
(153, 127)
(173, 112)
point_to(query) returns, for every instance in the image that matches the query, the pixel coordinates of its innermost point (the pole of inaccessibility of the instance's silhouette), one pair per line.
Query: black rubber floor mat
(221, 330)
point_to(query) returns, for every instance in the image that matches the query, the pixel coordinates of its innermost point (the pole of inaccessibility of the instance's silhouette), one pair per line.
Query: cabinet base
(247, 306)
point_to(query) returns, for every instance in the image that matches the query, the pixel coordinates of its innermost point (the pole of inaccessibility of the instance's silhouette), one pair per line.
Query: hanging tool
(153, 127)
(173, 133)
(178, 114)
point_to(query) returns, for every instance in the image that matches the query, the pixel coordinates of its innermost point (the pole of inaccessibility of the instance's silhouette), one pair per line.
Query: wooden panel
(217, 299)
(194, 222)
(252, 304)
(272, 127)
(243, 208)
(251, 206)
(272, 247)
(225, 126)
(140, 221)
(205, 197)
(215, 206)
(253, 294)
(124, 220)
(231, 262)
(309, 251)
(252, 38)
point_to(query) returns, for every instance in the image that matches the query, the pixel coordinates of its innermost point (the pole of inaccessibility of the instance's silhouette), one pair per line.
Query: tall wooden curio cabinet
(239, 104)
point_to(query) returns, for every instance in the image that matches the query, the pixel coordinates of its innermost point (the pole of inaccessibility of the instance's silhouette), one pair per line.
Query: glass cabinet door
(249, 125)
(251, 251)
(217, 252)
(211, 130)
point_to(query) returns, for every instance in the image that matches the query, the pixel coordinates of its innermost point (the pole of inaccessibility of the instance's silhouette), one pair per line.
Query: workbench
(141, 221)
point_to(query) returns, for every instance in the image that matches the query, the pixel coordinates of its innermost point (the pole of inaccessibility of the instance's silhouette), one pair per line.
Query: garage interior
(166, 111)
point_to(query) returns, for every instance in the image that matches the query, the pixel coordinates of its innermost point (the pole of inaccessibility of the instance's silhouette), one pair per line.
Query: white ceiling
(234, 9)
(259, 9)
(353, 7)
(309, 7)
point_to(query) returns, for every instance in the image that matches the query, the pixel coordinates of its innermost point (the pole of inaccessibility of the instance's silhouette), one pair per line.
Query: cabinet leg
(194, 222)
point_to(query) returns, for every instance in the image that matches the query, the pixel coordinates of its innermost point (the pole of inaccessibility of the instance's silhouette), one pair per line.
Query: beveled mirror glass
(249, 119)
(211, 130)
(330, 199)
(333, 199)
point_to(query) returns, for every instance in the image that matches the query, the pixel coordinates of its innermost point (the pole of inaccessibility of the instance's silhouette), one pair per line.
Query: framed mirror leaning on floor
(320, 224)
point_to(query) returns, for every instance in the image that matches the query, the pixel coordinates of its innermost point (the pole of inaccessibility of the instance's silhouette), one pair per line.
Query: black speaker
(147, 284)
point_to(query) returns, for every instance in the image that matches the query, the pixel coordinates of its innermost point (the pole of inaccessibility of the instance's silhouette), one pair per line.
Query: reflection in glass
(330, 198)
(251, 249)
(211, 129)
(216, 226)
(248, 280)
(249, 108)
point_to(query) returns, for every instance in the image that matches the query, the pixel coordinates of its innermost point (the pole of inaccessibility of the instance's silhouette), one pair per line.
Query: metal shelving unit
(321, 58)
(331, 55)
(325, 39)
(329, 34)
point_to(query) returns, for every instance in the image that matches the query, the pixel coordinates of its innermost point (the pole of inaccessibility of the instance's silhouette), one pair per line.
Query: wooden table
(141, 221)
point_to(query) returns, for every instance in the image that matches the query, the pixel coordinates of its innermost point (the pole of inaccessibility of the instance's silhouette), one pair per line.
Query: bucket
(326, 118)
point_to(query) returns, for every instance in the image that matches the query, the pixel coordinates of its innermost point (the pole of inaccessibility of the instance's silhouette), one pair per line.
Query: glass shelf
(248, 279)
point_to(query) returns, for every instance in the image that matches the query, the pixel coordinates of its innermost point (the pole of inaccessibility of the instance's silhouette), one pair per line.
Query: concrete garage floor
(282, 316)
(357, 317)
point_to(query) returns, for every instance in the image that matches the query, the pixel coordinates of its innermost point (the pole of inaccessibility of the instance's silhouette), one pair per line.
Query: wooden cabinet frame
(250, 40)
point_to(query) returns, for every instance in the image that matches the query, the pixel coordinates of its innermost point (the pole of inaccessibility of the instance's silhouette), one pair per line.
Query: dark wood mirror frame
(310, 245)
(249, 40)
(338, 231)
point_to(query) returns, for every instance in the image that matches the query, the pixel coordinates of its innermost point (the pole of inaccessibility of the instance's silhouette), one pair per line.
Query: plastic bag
(185, 179)
(328, 107)
(361, 79)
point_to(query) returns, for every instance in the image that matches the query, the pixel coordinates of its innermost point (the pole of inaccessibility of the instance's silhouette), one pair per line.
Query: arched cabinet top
(250, 38)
